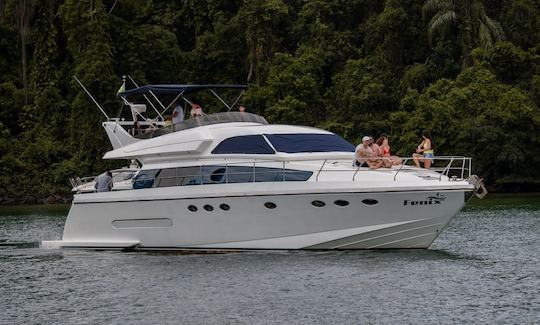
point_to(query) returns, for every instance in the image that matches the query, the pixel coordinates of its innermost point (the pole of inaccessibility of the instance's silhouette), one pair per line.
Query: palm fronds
(440, 23)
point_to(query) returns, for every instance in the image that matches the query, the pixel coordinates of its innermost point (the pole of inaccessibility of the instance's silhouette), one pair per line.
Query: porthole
(318, 203)
(192, 208)
(270, 205)
(208, 207)
(370, 201)
(341, 203)
(224, 207)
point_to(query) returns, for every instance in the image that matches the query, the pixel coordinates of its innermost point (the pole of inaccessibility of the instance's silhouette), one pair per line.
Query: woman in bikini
(384, 152)
(424, 152)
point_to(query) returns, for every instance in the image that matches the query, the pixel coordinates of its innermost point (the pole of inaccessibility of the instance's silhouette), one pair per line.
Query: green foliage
(295, 86)
(520, 21)
(353, 67)
(476, 28)
(474, 115)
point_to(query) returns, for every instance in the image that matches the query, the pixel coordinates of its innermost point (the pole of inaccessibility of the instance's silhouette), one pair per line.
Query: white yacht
(232, 181)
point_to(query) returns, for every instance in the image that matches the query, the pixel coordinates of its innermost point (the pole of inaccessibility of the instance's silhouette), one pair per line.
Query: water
(485, 268)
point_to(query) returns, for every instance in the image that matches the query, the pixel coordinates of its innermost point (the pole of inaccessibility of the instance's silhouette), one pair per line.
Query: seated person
(363, 153)
(376, 158)
(168, 120)
(196, 110)
(384, 152)
(424, 151)
(137, 129)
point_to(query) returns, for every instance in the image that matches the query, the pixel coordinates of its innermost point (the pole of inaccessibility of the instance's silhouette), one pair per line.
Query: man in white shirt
(363, 152)
(178, 114)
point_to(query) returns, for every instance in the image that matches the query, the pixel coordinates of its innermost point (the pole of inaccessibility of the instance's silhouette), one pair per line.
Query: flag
(122, 89)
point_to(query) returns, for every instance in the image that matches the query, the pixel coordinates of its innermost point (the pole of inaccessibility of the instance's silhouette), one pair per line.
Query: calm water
(485, 268)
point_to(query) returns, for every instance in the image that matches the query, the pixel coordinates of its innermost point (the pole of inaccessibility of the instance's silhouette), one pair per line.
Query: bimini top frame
(178, 91)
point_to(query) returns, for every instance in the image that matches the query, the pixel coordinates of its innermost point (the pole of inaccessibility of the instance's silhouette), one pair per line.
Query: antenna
(89, 95)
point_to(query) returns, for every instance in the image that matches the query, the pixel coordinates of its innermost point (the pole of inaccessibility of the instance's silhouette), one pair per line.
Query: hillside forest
(468, 70)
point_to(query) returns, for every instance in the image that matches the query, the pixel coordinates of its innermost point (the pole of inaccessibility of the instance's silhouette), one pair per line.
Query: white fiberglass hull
(160, 218)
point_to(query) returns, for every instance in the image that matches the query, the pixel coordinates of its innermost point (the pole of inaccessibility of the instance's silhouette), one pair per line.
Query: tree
(474, 25)
(90, 50)
(262, 19)
(475, 115)
(520, 21)
(24, 11)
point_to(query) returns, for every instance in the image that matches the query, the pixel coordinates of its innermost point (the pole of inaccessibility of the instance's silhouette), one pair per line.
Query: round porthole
(208, 207)
(370, 201)
(192, 208)
(318, 203)
(341, 203)
(224, 207)
(270, 205)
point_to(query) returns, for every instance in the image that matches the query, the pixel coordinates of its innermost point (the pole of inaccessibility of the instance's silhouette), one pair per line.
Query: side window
(297, 175)
(308, 142)
(189, 176)
(184, 176)
(276, 175)
(239, 174)
(248, 144)
(145, 178)
(178, 177)
(167, 177)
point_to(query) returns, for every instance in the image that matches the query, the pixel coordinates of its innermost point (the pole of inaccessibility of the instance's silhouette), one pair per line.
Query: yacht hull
(280, 220)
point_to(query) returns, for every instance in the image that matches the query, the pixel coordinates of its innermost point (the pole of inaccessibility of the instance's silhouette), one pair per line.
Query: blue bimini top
(176, 89)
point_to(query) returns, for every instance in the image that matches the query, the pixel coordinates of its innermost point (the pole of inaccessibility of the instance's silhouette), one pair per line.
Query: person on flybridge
(178, 113)
(196, 110)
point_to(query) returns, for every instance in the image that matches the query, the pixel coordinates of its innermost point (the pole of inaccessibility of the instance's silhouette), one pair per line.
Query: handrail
(253, 164)
(445, 171)
(320, 169)
(281, 166)
(401, 167)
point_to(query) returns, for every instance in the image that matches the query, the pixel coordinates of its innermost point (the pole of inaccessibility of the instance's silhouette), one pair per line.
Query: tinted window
(178, 176)
(308, 142)
(227, 174)
(248, 144)
(241, 174)
(145, 178)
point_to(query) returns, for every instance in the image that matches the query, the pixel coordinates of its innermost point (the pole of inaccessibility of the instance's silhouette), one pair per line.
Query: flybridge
(141, 125)
(150, 93)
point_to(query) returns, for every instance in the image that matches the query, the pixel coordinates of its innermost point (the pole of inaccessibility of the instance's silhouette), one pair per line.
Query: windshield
(309, 142)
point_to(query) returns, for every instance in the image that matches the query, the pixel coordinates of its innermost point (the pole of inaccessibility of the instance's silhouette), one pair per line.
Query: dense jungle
(468, 70)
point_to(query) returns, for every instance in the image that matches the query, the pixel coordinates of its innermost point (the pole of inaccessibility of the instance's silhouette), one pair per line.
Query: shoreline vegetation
(468, 71)
(35, 200)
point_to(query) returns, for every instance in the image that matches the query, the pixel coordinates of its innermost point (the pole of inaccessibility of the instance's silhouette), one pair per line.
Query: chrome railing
(291, 169)
(456, 168)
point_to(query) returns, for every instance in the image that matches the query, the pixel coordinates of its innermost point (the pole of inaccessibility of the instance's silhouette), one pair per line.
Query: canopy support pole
(174, 100)
(224, 103)
(148, 99)
(237, 99)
